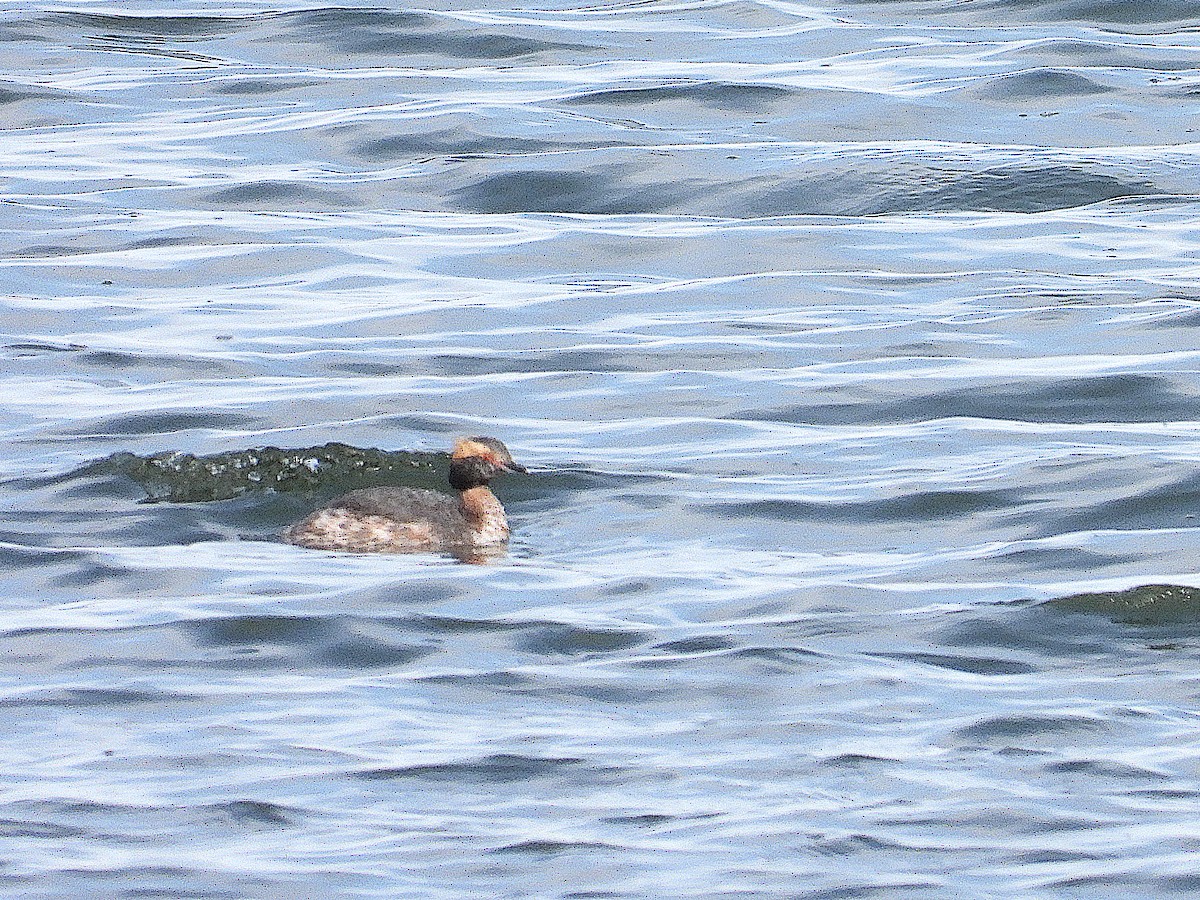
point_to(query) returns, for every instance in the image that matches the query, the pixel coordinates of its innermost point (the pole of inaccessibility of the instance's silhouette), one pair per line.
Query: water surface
(853, 353)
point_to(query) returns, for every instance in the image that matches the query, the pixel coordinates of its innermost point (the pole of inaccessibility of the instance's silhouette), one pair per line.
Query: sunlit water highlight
(852, 351)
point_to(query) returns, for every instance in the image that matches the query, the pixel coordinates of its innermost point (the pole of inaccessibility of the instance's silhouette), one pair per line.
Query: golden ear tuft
(465, 447)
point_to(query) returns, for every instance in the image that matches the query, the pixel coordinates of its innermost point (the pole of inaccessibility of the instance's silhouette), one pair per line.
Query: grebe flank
(407, 520)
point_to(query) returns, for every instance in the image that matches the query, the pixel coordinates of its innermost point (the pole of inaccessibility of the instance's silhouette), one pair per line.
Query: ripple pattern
(852, 349)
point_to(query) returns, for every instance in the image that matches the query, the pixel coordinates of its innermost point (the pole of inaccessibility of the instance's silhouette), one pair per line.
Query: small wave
(572, 640)
(37, 347)
(261, 86)
(1105, 768)
(82, 698)
(1017, 727)
(461, 143)
(342, 643)
(972, 665)
(700, 644)
(1040, 83)
(1005, 634)
(858, 761)
(238, 631)
(157, 423)
(175, 27)
(15, 829)
(1103, 398)
(1064, 559)
(178, 477)
(596, 192)
(916, 507)
(255, 813)
(384, 33)
(1114, 13)
(500, 767)
(550, 848)
(642, 820)
(20, 94)
(270, 194)
(1149, 604)
(905, 187)
(720, 95)
(1171, 505)
(1028, 188)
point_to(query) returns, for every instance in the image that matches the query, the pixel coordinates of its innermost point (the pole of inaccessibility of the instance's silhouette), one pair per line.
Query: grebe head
(477, 460)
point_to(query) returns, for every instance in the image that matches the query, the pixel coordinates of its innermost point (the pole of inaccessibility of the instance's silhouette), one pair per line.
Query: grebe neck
(484, 515)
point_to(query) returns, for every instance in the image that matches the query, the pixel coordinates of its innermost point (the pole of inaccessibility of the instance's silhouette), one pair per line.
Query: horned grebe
(407, 520)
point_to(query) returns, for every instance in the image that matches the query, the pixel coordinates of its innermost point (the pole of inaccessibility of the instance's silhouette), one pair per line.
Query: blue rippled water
(853, 353)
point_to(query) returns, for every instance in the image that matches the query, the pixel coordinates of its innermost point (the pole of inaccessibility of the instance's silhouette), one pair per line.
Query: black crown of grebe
(407, 520)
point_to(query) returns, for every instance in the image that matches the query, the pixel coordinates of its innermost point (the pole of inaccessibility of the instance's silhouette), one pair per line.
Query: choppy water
(845, 342)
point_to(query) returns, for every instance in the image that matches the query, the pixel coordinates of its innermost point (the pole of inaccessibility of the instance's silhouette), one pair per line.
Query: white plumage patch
(356, 532)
